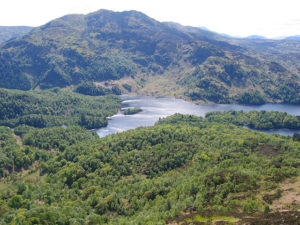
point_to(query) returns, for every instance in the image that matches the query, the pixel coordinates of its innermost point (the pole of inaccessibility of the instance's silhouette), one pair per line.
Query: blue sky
(270, 18)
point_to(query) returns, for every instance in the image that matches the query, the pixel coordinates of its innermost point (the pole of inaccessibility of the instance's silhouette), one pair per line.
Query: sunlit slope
(130, 48)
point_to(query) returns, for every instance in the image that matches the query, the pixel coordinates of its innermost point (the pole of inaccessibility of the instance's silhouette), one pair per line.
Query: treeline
(131, 111)
(57, 138)
(147, 175)
(89, 88)
(55, 107)
(251, 98)
(262, 120)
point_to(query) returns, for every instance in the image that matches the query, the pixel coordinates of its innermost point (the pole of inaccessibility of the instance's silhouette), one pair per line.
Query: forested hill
(130, 48)
(178, 170)
(55, 107)
(9, 32)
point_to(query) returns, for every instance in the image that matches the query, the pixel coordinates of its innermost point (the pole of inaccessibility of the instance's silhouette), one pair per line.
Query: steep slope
(9, 32)
(130, 48)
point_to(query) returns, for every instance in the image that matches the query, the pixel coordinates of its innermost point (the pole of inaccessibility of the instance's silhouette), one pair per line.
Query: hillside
(181, 170)
(55, 107)
(11, 32)
(131, 49)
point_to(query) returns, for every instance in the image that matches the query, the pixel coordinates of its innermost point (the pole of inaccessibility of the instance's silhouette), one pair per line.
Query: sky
(240, 18)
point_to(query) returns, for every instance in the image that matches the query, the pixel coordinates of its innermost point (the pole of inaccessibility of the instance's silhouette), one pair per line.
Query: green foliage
(15, 202)
(210, 91)
(54, 108)
(263, 120)
(224, 80)
(180, 119)
(21, 187)
(267, 209)
(131, 111)
(11, 76)
(88, 88)
(250, 99)
(127, 87)
(296, 137)
(23, 129)
(116, 90)
(57, 138)
(201, 53)
(251, 206)
(12, 157)
(182, 163)
(286, 91)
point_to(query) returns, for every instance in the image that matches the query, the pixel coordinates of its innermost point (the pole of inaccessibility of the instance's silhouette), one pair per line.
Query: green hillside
(55, 107)
(129, 48)
(183, 169)
(60, 81)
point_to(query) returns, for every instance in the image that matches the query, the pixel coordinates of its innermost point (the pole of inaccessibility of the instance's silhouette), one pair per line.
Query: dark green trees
(55, 108)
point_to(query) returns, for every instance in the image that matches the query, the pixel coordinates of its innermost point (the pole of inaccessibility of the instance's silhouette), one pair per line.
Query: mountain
(9, 32)
(255, 37)
(130, 49)
(295, 37)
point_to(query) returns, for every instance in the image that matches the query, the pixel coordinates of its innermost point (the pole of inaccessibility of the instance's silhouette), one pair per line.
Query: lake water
(159, 107)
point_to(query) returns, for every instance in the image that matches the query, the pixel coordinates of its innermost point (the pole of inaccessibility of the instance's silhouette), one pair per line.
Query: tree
(15, 202)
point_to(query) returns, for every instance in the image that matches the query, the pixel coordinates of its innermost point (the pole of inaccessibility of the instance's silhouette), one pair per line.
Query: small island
(131, 111)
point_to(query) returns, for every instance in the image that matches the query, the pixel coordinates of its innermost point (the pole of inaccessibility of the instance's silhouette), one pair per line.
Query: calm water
(159, 107)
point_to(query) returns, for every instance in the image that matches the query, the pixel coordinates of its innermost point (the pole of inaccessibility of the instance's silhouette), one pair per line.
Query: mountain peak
(128, 18)
(105, 46)
(108, 12)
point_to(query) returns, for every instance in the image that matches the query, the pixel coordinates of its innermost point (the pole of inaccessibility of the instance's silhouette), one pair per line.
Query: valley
(117, 118)
(155, 108)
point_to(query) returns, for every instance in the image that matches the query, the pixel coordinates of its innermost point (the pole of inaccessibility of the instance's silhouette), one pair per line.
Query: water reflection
(159, 107)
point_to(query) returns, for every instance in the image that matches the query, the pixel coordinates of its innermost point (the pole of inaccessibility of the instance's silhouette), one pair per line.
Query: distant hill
(256, 37)
(296, 37)
(9, 32)
(131, 49)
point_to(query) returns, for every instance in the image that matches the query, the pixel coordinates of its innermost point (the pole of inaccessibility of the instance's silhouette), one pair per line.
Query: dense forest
(55, 107)
(184, 165)
(89, 88)
(262, 120)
